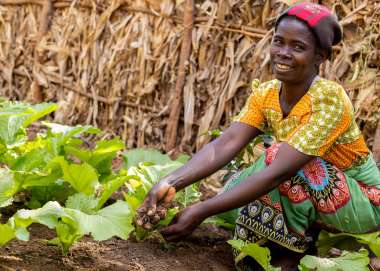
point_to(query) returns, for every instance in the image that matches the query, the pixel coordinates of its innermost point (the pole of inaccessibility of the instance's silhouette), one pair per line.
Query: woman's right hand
(160, 195)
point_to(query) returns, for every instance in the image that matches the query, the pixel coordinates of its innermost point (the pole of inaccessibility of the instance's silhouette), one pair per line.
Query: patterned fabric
(318, 195)
(321, 123)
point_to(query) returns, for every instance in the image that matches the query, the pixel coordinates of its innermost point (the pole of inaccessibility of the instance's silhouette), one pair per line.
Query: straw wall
(131, 67)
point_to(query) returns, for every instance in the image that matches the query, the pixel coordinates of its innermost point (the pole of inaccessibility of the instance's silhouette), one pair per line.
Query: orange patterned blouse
(321, 124)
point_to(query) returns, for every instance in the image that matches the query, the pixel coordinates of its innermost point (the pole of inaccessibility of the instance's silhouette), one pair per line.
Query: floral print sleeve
(329, 119)
(252, 113)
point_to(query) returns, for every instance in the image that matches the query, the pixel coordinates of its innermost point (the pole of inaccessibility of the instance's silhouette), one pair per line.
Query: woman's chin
(284, 77)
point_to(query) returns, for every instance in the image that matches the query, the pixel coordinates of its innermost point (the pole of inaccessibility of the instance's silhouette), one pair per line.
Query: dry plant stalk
(114, 63)
(171, 128)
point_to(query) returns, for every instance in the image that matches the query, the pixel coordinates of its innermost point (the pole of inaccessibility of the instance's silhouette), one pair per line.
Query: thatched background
(115, 64)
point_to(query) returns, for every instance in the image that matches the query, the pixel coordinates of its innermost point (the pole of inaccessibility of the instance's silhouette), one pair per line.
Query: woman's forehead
(295, 29)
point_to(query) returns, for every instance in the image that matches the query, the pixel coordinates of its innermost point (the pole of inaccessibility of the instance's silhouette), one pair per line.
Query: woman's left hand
(184, 223)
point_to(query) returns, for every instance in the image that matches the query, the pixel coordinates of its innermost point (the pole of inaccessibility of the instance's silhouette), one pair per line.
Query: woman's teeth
(283, 67)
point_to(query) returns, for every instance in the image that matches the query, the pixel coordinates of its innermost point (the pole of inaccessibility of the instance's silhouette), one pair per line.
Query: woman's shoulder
(328, 88)
(329, 92)
(265, 87)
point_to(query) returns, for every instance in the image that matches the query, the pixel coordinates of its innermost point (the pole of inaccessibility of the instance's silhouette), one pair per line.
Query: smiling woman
(320, 172)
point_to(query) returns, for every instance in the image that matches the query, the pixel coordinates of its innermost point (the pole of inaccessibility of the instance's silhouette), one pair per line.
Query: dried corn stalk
(114, 63)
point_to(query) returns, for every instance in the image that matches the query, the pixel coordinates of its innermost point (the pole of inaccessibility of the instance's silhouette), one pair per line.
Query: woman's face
(293, 52)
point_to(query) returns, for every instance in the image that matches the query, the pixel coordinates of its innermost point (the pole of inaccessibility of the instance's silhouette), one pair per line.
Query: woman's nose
(284, 52)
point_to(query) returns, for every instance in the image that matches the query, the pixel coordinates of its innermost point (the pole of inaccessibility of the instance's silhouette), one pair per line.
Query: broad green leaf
(166, 169)
(83, 177)
(132, 201)
(101, 156)
(48, 215)
(152, 156)
(347, 241)
(260, 254)
(114, 220)
(188, 195)
(14, 117)
(110, 187)
(82, 202)
(71, 131)
(182, 158)
(8, 187)
(60, 136)
(353, 261)
(219, 222)
(7, 234)
(58, 191)
(35, 159)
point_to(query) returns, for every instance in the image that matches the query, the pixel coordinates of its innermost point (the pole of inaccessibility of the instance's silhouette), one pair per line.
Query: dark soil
(205, 250)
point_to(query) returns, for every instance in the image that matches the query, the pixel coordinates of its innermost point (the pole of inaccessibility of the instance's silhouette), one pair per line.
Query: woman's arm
(286, 164)
(214, 155)
(208, 160)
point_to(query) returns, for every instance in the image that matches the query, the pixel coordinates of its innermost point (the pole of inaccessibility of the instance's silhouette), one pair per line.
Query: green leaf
(260, 254)
(48, 215)
(348, 241)
(70, 131)
(101, 156)
(110, 187)
(353, 261)
(136, 156)
(82, 202)
(32, 160)
(169, 217)
(14, 117)
(8, 187)
(83, 178)
(188, 195)
(72, 224)
(58, 191)
(215, 220)
(7, 234)
(165, 169)
(114, 220)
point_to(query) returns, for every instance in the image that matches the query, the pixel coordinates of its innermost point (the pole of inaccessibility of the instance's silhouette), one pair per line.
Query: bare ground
(205, 250)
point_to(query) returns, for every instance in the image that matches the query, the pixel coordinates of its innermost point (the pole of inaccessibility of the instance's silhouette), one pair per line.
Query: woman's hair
(320, 20)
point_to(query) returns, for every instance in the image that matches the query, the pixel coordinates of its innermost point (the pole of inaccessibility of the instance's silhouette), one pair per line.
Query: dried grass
(114, 64)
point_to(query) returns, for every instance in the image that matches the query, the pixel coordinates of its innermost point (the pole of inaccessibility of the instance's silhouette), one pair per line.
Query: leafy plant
(348, 241)
(260, 254)
(355, 261)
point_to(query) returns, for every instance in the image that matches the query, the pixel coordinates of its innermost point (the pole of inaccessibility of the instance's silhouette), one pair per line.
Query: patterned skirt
(319, 195)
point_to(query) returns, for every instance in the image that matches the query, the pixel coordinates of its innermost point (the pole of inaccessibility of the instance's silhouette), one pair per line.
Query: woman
(320, 173)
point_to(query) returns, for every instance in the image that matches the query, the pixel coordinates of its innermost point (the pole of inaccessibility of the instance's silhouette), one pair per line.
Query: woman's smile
(282, 67)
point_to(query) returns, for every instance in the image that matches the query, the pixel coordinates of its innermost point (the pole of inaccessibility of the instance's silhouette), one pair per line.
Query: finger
(151, 204)
(169, 230)
(162, 190)
(170, 195)
(173, 238)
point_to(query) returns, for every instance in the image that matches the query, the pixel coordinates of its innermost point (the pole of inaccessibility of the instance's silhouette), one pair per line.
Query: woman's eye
(299, 47)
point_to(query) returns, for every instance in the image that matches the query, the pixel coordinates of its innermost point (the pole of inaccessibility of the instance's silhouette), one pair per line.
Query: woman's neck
(292, 93)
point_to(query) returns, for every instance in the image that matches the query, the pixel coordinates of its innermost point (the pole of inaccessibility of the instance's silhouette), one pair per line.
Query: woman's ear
(321, 56)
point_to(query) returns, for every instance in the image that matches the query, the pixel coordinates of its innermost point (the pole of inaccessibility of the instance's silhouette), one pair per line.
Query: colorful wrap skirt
(319, 195)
